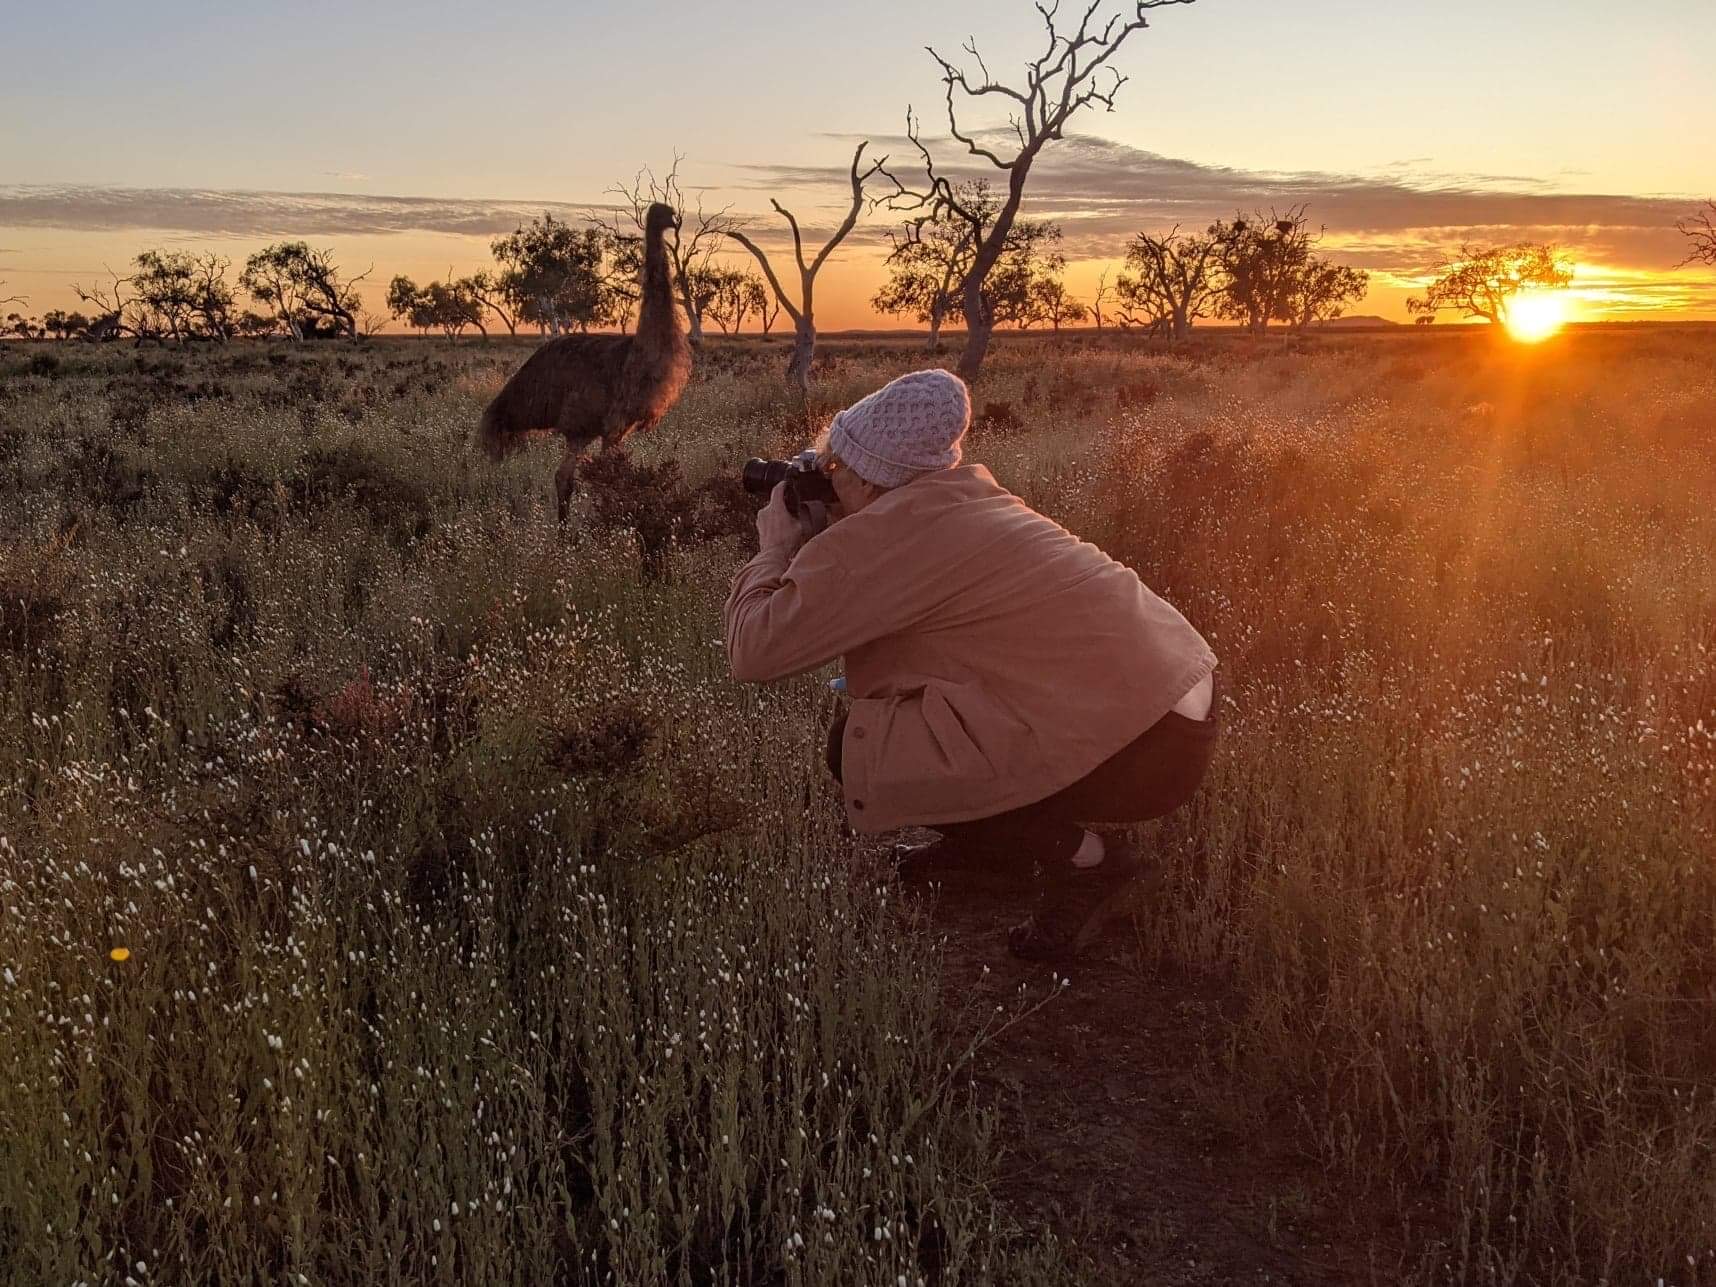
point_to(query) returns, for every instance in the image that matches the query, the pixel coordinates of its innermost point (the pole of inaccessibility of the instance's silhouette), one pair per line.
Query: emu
(598, 387)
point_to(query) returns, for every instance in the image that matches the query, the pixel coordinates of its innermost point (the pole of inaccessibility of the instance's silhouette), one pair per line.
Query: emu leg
(615, 431)
(566, 478)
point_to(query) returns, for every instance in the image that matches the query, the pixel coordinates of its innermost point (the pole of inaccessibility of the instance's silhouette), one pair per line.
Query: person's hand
(777, 529)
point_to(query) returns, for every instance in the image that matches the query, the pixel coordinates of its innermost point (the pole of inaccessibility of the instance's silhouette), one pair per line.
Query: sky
(405, 137)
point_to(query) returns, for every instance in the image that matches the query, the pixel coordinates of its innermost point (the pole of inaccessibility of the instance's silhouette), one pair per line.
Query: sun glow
(1536, 315)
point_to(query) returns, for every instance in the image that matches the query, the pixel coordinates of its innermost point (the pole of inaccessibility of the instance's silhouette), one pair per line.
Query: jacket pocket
(953, 740)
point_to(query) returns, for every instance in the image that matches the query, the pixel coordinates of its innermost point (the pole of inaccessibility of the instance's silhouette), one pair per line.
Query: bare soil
(1119, 1138)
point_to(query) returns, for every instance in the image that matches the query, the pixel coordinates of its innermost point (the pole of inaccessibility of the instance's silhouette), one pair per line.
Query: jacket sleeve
(785, 616)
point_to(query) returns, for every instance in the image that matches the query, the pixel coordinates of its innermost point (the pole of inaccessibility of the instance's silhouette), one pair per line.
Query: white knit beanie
(907, 428)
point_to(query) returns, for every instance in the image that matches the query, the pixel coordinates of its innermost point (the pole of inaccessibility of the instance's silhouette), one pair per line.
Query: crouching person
(1010, 683)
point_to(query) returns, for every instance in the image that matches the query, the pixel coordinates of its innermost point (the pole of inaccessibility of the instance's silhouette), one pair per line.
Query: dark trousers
(1149, 777)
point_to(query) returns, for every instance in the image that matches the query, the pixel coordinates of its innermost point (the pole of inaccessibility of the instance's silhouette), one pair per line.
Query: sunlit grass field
(477, 928)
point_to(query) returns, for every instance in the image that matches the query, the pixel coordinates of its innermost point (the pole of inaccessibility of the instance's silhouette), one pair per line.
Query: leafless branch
(1070, 74)
(803, 312)
(1700, 228)
(699, 237)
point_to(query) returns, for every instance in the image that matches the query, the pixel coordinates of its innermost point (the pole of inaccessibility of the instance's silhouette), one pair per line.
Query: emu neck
(655, 311)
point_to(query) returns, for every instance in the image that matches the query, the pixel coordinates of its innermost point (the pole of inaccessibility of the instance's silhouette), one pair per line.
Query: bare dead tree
(1070, 75)
(699, 235)
(12, 299)
(111, 303)
(1103, 292)
(1700, 229)
(803, 313)
(769, 311)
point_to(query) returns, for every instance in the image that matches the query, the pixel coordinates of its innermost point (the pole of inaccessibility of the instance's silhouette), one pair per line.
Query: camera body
(808, 492)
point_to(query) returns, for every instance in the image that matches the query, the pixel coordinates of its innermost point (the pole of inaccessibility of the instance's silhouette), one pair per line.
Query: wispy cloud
(234, 213)
(1103, 191)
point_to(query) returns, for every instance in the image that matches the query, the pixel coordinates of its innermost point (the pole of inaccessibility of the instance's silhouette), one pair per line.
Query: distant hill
(1362, 321)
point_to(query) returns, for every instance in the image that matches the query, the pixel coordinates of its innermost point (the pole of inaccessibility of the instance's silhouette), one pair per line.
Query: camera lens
(760, 477)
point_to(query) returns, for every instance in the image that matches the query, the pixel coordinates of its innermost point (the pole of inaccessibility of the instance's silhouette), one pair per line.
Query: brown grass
(482, 930)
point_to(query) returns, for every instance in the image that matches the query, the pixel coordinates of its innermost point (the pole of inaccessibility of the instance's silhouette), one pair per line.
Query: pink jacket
(993, 657)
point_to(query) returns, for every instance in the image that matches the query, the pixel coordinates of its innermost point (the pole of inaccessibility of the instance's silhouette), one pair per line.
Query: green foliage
(564, 278)
(733, 294)
(930, 261)
(449, 307)
(304, 289)
(180, 295)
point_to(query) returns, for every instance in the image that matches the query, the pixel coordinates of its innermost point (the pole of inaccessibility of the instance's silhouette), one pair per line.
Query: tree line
(177, 295)
(1253, 270)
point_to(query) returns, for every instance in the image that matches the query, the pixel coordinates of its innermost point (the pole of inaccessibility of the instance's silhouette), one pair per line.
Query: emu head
(659, 219)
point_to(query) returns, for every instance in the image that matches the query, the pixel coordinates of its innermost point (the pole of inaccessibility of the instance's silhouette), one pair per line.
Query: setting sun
(1536, 316)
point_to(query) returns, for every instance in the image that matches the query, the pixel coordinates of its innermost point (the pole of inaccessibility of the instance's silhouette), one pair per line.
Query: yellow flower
(120, 954)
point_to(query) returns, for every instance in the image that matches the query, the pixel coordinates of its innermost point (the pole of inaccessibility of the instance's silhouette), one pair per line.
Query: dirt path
(1114, 1140)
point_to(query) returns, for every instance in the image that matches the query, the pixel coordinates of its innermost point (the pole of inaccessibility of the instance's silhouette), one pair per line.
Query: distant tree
(213, 300)
(739, 293)
(1058, 84)
(701, 236)
(499, 294)
(1171, 279)
(930, 260)
(698, 289)
(1055, 305)
(622, 272)
(305, 289)
(448, 306)
(162, 282)
(271, 278)
(1700, 229)
(554, 274)
(455, 306)
(1260, 262)
(116, 310)
(183, 296)
(1323, 291)
(803, 309)
(1099, 297)
(726, 306)
(256, 325)
(25, 328)
(1425, 320)
(769, 310)
(405, 302)
(1480, 282)
(928, 263)
(1025, 277)
(57, 323)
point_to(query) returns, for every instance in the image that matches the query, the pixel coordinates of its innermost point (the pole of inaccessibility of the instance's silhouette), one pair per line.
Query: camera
(808, 492)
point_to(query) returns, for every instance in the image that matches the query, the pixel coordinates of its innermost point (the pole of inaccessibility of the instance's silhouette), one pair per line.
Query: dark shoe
(919, 864)
(1077, 901)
